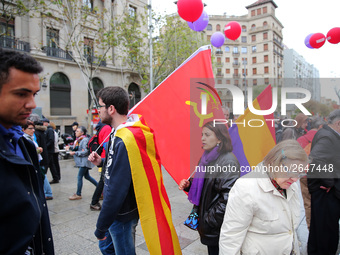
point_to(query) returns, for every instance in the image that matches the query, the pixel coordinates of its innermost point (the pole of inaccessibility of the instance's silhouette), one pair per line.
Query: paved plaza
(73, 223)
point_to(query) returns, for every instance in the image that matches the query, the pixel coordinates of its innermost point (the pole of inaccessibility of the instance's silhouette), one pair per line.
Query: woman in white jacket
(263, 209)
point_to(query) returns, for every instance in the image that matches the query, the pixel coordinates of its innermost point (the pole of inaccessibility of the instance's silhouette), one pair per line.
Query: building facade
(64, 96)
(300, 74)
(256, 57)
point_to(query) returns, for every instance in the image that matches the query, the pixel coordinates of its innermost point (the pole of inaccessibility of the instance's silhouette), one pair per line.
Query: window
(60, 94)
(208, 37)
(258, 11)
(132, 11)
(88, 4)
(265, 23)
(265, 46)
(265, 36)
(88, 49)
(209, 27)
(134, 94)
(227, 70)
(52, 42)
(236, 72)
(254, 60)
(227, 60)
(265, 58)
(227, 49)
(266, 69)
(244, 39)
(236, 82)
(253, 48)
(218, 60)
(264, 10)
(244, 61)
(253, 27)
(235, 50)
(219, 81)
(254, 71)
(253, 13)
(218, 27)
(10, 28)
(244, 72)
(244, 28)
(227, 81)
(235, 61)
(266, 81)
(244, 50)
(254, 82)
(97, 85)
(253, 38)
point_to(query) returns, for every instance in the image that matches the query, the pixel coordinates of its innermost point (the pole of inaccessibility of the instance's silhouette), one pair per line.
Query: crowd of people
(258, 213)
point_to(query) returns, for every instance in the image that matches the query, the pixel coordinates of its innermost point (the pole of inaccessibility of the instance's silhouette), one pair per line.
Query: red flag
(177, 109)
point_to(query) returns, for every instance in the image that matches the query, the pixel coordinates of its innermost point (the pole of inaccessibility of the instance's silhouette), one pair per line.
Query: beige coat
(258, 219)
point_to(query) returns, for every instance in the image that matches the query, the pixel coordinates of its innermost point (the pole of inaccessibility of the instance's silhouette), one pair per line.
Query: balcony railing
(236, 54)
(220, 75)
(94, 60)
(236, 75)
(13, 43)
(236, 64)
(57, 53)
(218, 52)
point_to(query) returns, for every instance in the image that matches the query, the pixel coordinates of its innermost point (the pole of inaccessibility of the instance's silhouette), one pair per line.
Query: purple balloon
(217, 39)
(307, 41)
(200, 24)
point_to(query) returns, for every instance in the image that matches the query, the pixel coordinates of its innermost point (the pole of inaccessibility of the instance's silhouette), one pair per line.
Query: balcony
(13, 43)
(219, 64)
(236, 64)
(236, 54)
(236, 76)
(219, 75)
(218, 52)
(94, 60)
(57, 53)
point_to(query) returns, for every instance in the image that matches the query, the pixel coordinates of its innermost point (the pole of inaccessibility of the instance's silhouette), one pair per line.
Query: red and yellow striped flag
(152, 200)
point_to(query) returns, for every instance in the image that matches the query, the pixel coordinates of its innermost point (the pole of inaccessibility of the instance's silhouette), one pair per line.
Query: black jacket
(49, 136)
(41, 141)
(324, 169)
(24, 219)
(214, 198)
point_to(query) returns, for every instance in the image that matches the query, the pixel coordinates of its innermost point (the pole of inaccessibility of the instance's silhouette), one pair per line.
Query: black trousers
(51, 165)
(56, 164)
(324, 226)
(99, 189)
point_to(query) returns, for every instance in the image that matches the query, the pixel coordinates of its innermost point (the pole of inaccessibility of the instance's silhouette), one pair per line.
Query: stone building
(64, 96)
(256, 57)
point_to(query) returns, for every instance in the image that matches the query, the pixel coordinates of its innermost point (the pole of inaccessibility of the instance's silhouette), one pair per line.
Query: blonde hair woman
(263, 209)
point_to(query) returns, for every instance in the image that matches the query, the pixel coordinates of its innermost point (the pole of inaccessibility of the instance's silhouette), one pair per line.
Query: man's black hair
(116, 96)
(14, 59)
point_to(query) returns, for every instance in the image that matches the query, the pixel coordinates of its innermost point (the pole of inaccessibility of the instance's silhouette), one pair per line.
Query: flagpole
(150, 45)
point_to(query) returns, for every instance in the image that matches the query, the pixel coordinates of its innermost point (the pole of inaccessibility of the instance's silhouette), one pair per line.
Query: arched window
(134, 94)
(253, 27)
(97, 85)
(60, 94)
(218, 27)
(244, 28)
(265, 23)
(209, 27)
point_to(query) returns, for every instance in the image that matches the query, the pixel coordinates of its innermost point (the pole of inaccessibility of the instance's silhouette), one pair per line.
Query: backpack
(93, 144)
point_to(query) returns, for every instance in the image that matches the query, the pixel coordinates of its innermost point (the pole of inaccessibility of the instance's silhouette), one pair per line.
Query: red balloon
(333, 35)
(190, 10)
(232, 30)
(317, 40)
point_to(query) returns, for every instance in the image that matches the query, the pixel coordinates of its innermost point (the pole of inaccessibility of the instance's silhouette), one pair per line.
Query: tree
(92, 33)
(173, 42)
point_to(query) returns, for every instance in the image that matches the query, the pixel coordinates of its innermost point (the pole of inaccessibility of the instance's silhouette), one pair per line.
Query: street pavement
(73, 223)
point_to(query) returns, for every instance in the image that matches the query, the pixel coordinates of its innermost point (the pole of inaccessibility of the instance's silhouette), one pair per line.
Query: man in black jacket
(49, 137)
(324, 186)
(24, 220)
